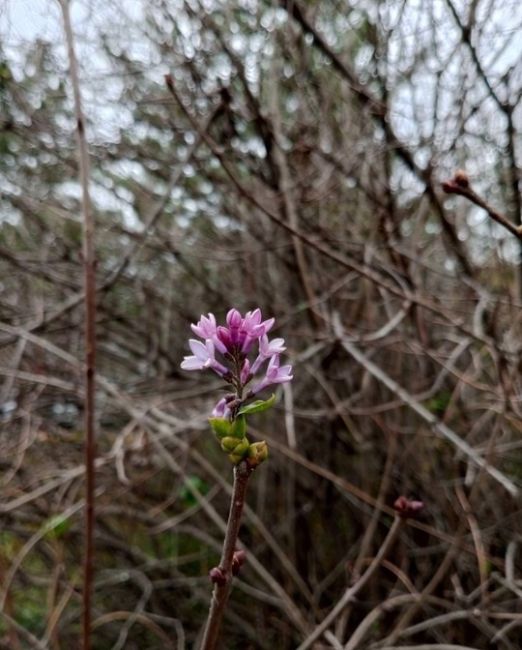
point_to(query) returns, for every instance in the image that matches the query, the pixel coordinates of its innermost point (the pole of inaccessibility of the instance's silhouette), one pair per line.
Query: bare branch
(459, 184)
(437, 426)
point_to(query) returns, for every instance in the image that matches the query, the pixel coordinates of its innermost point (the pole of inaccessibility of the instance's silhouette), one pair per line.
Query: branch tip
(169, 81)
(407, 508)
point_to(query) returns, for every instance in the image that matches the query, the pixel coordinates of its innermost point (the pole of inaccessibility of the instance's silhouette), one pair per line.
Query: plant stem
(89, 266)
(221, 591)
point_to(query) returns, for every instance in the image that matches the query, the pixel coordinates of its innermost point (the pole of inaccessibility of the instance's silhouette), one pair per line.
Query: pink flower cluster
(234, 343)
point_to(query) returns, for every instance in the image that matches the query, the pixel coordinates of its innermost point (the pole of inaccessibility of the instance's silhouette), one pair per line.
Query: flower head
(235, 341)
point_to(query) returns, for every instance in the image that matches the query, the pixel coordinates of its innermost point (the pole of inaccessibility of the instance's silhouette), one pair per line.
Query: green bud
(240, 451)
(234, 445)
(238, 427)
(229, 444)
(257, 453)
(221, 427)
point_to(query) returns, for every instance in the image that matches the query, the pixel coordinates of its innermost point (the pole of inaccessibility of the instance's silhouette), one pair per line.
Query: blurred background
(295, 167)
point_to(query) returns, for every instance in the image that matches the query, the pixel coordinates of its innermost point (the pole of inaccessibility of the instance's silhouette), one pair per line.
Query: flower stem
(222, 589)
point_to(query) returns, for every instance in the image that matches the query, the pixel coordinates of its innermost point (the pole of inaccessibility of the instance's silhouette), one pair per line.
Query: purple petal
(245, 371)
(191, 363)
(221, 409)
(217, 367)
(223, 334)
(206, 327)
(267, 325)
(234, 319)
(255, 316)
(198, 331)
(277, 345)
(257, 388)
(218, 344)
(199, 349)
(258, 363)
(284, 374)
(273, 366)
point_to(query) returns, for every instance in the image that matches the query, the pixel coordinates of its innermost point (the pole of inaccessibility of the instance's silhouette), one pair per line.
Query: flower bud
(237, 561)
(223, 335)
(257, 453)
(217, 576)
(234, 319)
(228, 443)
(239, 451)
(406, 508)
(461, 178)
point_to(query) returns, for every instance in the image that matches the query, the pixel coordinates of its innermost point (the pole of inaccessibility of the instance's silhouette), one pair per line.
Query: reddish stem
(459, 184)
(89, 267)
(222, 586)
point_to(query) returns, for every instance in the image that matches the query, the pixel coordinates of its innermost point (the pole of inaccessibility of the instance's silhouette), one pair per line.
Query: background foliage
(298, 169)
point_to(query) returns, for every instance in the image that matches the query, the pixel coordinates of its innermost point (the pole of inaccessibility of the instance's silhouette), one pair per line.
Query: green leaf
(221, 427)
(258, 406)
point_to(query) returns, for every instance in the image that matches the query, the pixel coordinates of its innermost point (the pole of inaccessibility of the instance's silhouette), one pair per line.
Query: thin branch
(223, 582)
(90, 328)
(361, 495)
(158, 208)
(370, 619)
(362, 269)
(459, 184)
(429, 646)
(351, 592)
(369, 534)
(379, 112)
(508, 109)
(29, 638)
(283, 176)
(426, 415)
